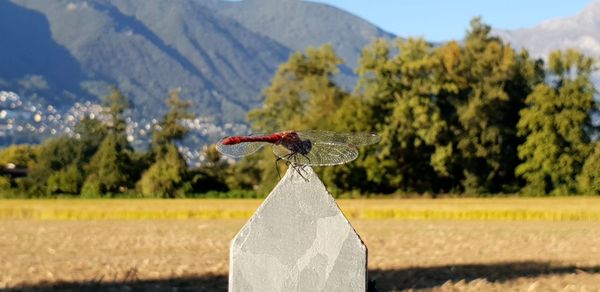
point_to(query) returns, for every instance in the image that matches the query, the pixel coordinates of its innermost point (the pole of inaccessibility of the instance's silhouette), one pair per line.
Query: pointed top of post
(298, 240)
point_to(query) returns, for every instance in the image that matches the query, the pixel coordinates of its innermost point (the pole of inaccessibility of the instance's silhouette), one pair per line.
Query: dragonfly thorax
(302, 147)
(294, 144)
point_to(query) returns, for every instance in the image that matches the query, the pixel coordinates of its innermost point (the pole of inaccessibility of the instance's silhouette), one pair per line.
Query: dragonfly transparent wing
(321, 154)
(240, 149)
(356, 139)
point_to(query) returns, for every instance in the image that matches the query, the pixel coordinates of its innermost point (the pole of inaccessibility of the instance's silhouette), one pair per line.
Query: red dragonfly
(317, 148)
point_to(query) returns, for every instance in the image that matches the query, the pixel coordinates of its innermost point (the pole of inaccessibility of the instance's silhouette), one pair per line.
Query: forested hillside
(219, 53)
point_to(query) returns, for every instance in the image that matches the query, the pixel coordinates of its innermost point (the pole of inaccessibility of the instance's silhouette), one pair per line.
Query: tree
(213, 174)
(589, 179)
(398, 91)
(18, 155)
(90, 133)
(115, 105)
(170, 128)
(302, 95)
(109, 167)
(484, 83)
(169, 171)
(556, 126)
(14, 156)
(59, 164)
(67, 180)
(51, 156)
(242, 175)
(446, 114)
(165, 176)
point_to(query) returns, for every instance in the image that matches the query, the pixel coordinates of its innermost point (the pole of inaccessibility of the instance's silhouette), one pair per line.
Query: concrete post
(298, 240)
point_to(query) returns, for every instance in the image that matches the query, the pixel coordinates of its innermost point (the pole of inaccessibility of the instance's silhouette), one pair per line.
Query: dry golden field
(442, 244)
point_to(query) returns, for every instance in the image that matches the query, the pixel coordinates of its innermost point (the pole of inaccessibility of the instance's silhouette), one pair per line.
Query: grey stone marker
(298, 240)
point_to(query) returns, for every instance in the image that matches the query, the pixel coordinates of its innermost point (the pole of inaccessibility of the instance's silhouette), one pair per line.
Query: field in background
(546, 252)
(555, 209)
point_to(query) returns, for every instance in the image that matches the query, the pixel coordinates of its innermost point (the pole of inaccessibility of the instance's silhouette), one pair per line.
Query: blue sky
(440, 20)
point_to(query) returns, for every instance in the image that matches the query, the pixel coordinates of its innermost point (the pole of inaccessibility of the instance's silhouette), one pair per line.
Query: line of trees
(98, 161)
(476, 117)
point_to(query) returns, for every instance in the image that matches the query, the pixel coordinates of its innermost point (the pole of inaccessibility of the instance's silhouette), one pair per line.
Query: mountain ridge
(215, 52)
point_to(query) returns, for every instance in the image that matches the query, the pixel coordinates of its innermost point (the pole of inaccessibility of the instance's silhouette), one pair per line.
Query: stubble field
(447, 244)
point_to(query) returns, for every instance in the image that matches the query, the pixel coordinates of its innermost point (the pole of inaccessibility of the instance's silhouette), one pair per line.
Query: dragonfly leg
(292, 161)
(302, 166)
(299, 168)
(307, 158)
(288, 157)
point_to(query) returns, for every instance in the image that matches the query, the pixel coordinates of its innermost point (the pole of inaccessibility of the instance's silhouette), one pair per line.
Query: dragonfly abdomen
(242, 139)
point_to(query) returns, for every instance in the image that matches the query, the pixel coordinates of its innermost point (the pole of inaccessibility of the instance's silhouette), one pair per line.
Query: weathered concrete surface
(298, 240)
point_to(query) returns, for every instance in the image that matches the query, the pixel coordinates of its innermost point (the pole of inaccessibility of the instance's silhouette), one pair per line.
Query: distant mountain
(581, 32)
(301, 24)
(31, 61)
(220, 53)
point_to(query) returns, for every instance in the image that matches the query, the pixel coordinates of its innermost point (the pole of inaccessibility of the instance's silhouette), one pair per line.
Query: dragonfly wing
(356, 139)
(240, 149)
(321, 154)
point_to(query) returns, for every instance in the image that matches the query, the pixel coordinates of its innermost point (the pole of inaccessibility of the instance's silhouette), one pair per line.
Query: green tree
(111, 169)
(110, 165)
(170, 128)
(244, 174)
(67, 180)
(90, 133)
(213, 174)
(397, 92)
(169, 170)
(115, 105)
(484, 83)
(165, 176)
(51, 156)
(14, 156)
(302, 95)
(59, 164)
(589, 179)
(108, 168)
(556, 124)
(17, 155)
(6, 186)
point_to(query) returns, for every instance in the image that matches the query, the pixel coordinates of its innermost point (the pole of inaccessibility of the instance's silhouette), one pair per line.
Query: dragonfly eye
(306, 147)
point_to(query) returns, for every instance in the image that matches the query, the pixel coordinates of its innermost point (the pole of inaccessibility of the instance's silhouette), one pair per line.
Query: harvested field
(192, 254)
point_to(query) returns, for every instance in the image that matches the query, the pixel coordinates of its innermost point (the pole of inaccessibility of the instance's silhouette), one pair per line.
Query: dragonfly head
(304, 147)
